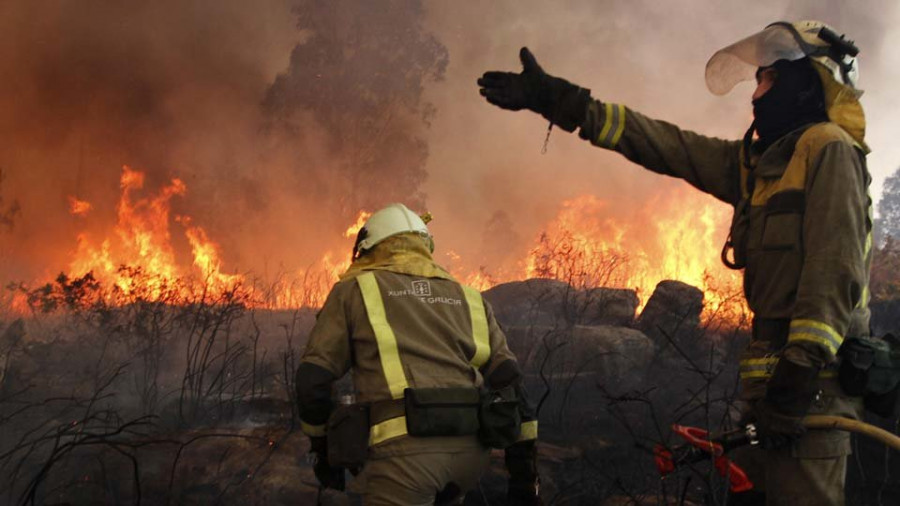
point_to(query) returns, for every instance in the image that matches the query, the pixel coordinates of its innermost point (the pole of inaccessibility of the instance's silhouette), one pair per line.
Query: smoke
(283, 117)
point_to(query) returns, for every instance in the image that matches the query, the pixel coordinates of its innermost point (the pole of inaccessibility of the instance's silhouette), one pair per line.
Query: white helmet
(392, 220)
(783, 41)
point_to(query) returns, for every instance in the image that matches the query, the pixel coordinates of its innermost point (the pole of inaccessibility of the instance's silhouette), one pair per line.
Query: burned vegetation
(169, 394)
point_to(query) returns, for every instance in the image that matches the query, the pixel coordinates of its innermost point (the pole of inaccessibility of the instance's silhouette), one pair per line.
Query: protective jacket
(398, 321)
(802, 222)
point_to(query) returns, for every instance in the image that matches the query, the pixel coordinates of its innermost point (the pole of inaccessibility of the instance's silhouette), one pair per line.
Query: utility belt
(424, 412)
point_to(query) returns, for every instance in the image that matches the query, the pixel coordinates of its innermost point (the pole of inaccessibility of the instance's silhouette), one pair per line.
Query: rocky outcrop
(555, 303)
(673, 312)
(615, 355)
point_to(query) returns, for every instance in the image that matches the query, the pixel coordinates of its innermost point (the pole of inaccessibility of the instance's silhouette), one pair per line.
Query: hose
(850, 425)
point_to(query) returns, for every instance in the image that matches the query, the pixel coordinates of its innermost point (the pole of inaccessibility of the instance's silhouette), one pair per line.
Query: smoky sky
(184, 88)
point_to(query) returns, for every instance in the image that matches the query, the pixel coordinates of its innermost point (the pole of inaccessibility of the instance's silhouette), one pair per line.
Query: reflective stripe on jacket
(398, 331)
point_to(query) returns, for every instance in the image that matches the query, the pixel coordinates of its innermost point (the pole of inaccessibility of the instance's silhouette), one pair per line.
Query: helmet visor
(739, 61)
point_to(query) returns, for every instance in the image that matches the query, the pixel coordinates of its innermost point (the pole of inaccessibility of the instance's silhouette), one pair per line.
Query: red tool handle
(699, 439)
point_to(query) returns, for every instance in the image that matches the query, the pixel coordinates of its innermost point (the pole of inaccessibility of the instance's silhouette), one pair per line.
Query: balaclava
(795, 99)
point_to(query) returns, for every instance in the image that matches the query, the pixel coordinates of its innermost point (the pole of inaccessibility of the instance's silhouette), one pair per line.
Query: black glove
(329, 477)
(790, 393)
(524, 482)
(558, 100)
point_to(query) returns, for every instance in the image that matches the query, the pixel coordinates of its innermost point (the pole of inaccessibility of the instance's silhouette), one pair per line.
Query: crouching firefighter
(801, 230)
(435, 383)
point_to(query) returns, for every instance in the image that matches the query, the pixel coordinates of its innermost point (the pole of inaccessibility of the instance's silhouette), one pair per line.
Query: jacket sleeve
(836, 246)
(325, 360)
(709, 164)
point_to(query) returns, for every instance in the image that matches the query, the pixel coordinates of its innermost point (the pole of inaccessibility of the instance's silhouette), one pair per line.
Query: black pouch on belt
(501, 422)
(449, 411)
(870, 368)
(348, 436)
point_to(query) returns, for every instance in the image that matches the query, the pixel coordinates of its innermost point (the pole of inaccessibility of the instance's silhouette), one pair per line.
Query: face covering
(795, 99)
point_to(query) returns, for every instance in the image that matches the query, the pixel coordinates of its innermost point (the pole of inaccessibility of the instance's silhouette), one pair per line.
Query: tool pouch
(500, 420)
(870, 368)
(441, 411)
(348, 436)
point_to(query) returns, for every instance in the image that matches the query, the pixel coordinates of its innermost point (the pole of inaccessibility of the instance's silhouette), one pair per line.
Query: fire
(587, 248)
(79, 207)
(671, 237)
(138, 260)
(354, 229)
(141, 240)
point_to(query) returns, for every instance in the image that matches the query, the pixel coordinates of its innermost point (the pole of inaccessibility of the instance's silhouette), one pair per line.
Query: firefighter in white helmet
(435, 382)
(801, 231)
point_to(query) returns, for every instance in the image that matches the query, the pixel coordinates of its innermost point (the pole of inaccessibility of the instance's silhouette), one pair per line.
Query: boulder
(555, 303)
(617, 354)
(673, 310)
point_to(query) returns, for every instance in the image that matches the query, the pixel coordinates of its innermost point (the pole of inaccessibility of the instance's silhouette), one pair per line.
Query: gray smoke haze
(235, 98)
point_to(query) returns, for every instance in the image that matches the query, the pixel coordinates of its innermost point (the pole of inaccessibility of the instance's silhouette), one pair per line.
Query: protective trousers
(421, 478)
(811, 471)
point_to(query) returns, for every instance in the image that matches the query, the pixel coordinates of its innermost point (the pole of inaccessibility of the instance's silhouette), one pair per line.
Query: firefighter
(801, 230)
(434, 379)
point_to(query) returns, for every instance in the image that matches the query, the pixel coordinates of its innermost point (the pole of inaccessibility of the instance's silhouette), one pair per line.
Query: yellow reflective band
(613, 125)
(529, 431)
(479, 327)
(384, 335)
(620, 128)
(312, 430)
(607, 124)
(757, 367)
(388, 429)
(817, 332)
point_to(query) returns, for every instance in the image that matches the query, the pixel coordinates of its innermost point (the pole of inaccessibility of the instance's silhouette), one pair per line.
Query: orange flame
(79, 207)
(354, 229)
(676, 238)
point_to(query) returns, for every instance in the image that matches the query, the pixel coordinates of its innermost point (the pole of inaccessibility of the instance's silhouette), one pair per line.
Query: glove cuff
(568, 105)
(792, 388)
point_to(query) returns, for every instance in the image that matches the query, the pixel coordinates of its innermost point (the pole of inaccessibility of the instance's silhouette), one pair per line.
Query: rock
(615, 355)
(673, 310)
(555, 303)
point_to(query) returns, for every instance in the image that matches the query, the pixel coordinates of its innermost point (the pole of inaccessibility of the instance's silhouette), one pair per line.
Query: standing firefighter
(801, 229)
(436, 383)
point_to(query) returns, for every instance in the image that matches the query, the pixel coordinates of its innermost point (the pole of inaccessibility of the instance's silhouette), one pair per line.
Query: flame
(141, 240)
(79, 207)
(587, 248)
(675, 236)
(138, 259)
(354, 229)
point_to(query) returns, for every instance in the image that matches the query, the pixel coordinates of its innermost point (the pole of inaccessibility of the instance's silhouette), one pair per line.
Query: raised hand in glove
(524, 482)
(790, 393)
(558, 100)
(328, 476)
